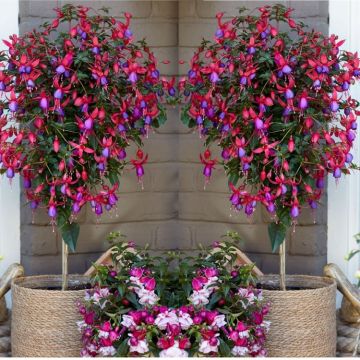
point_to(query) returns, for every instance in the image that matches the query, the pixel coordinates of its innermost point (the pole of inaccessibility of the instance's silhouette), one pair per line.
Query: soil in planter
(277, 288)
(69, 288)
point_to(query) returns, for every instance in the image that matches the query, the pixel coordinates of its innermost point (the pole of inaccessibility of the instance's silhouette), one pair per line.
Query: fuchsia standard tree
(74, 100)
(278, 104)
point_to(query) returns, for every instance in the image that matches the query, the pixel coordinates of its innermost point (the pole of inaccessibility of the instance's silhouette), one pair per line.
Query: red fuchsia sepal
(279, 108)
(76, 100)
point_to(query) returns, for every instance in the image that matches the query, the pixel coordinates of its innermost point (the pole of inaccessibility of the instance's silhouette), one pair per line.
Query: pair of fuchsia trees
(279, 107)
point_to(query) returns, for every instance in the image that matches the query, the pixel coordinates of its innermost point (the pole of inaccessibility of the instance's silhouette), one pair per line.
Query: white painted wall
(9, 194)
(344, 197)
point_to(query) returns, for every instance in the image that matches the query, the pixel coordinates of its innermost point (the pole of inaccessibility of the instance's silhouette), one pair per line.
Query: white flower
(88, 295)
(211, 281)
(259, 295)
(266, 325)
(219, 321)
(243, 334)
(136, 281)
(255, 348)
(147, 297)
(107, 351)
(81, 325)
(247, 294)
(84, 353)
(239, 350)
(200, 297)
(141, 348)
(185, 320)
(165, 318)
(103, 334)
(174, 351)
(100, 294)
(206, 348)
(91, 348)
(128, 321)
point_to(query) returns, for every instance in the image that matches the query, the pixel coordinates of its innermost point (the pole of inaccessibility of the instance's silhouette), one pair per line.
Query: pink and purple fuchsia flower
(74, 101)
(280, 109)
(133, 316)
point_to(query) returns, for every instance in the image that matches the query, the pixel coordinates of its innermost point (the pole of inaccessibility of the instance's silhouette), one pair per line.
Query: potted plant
(173, 305)
(277, 103)
(77, 93)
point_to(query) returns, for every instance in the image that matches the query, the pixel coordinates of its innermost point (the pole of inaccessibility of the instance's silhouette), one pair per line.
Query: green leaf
(214, 299)
(70, 234)
(113, 178)
(277, 234)
(123, 349)
(161, 118)
(185, 117)
(351, 254)
(233, 178)
(132, 298)
(224, 348)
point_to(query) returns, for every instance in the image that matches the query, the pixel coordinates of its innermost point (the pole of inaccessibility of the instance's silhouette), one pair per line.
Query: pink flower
(150, 283)
(185, 320)
(239, 351)
(209, 346)
(197, 283)
(211, 272)
(168, 317)
(139, 346)
(200, 298)
(107, 351)
(136, 272)
(257, 317)
(219, 321)
(147, 297)
(173, 351)
(89, 318)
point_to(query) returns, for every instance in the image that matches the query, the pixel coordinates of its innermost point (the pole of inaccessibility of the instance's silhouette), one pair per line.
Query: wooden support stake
(65, 270)
(282, 253)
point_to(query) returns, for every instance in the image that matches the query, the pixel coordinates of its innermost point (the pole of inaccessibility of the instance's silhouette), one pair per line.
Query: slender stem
(65, 255)
(282, 253)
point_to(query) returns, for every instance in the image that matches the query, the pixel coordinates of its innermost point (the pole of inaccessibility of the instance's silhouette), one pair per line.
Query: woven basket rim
(316, 283)
(33, 282)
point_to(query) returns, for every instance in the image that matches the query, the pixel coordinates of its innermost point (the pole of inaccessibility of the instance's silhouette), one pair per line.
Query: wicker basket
(44, 321)
(303, 322)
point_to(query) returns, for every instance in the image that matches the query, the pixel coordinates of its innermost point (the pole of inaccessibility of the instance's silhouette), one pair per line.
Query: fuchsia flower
(141, 159)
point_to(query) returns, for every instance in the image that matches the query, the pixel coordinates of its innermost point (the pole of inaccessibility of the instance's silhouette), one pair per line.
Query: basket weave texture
(44, 321)
(303, 322)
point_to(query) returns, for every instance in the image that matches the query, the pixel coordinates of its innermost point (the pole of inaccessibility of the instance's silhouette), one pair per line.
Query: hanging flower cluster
(73, 101)
(141, 308)
(278, 104)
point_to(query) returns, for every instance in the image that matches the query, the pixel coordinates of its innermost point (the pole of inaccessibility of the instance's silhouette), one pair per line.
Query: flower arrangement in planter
(276, 100)
(173, 306)
(77, 92)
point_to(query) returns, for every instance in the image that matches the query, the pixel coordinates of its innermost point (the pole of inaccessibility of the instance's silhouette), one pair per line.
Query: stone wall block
(40, 240)
(139, 9)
